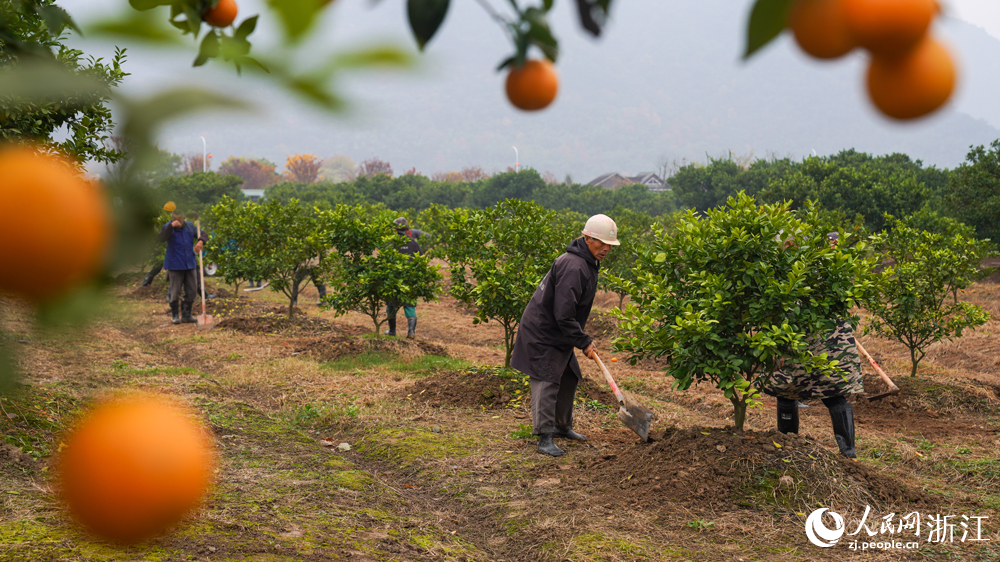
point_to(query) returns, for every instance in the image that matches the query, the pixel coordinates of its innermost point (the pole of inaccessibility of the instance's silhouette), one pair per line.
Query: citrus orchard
(912, 85)
(820, 28)
(887, 27)
(223, 14)
(533, 86)
(57, 225)
(134, 466)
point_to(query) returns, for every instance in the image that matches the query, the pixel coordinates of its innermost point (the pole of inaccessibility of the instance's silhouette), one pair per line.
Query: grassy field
(442, 465)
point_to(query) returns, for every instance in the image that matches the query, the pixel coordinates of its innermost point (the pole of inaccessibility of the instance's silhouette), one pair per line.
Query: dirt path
(440, 467)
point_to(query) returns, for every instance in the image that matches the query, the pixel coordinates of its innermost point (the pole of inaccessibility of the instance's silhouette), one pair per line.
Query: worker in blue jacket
(181, 263)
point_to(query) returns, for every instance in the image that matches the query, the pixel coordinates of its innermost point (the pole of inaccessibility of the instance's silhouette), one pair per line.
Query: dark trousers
(301, 275)
(552, 403)
(182, 278)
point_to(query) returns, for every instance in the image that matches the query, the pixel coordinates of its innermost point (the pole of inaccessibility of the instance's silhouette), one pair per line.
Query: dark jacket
(413, 247)
(553, 322)
(180, 246)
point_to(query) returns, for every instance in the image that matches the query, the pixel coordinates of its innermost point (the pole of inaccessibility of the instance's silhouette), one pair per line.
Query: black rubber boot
(175, 308)
(186, 313)
(411, 327)
(788, 416)
(392, 327)
(547, 446)
(842, 416)
(568, 433)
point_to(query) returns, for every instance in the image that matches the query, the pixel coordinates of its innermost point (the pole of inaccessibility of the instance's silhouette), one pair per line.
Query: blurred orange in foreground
(912, 85)
(820, 28)
(56, 225)
(533, 86)
(134, 466)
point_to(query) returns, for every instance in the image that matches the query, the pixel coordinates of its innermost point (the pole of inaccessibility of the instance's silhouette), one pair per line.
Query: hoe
(204, 320)
(893, 389)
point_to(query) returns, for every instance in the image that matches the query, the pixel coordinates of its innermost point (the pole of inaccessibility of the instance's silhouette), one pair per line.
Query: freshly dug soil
(478, 389)
(13, 456)
(717, 468)
(272, 324)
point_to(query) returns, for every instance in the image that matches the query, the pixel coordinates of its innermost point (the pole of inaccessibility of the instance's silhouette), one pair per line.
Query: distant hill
(665, 82)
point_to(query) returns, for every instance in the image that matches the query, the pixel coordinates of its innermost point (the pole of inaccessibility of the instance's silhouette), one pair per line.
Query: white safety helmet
(602, 228)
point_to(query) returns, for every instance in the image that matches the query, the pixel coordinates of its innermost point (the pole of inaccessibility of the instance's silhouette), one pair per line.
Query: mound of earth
(485, 389)
(717, 468)
(13, 456)
(271, 324)
(156, 291)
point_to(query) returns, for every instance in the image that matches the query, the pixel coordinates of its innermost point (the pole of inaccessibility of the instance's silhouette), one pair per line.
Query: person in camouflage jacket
(793, 383)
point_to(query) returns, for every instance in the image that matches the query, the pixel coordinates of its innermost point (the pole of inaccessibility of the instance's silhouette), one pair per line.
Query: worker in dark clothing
(410, 248)
(553, 324)
(409, 310)
(181, 264)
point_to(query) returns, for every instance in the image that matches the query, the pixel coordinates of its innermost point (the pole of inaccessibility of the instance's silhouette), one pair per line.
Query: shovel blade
(205, 322)
(894, 390)
(635, 416)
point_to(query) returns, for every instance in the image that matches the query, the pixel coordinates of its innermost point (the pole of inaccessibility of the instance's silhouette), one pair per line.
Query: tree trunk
(740, 411)
(914, 360)
(508, 342)
(621, 300)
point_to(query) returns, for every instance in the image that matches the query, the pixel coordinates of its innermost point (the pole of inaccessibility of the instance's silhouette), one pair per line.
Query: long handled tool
(204, 320)
(633, 415)
(893, 389)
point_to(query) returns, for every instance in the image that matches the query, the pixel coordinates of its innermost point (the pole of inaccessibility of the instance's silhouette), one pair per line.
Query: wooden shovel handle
(607, 377)
(201, 266)
(874, 365)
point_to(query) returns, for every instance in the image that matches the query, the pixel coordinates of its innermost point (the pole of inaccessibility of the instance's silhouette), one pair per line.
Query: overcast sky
(449, 58)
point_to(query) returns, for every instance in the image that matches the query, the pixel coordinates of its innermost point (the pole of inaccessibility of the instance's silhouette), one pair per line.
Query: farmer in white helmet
(553, 324)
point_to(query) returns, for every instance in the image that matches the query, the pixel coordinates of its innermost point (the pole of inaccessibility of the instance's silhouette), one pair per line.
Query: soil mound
(331, 348)
(156, 291)
(13, 456)
(272, 324)
(488, 389)
(717, 468)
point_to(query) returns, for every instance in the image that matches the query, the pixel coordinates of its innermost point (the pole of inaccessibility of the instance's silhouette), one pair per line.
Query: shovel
(633, 415)
(893, 389)
(204, 320)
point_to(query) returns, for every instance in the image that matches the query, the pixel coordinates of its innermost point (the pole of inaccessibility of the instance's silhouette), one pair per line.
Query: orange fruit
(134, 466)
(223, 14)
(533, 86)
(912, 85)
(889, 26)
(57, 225)
(820, 28)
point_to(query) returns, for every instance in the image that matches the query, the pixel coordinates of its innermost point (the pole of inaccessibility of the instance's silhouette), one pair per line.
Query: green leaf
(296, 15)
(768, 18)
(379, 55)
(44, 79)
(143, 5)
(142, 26)
(149, 114)
(425, 18)
(246, 28)
(56, 19)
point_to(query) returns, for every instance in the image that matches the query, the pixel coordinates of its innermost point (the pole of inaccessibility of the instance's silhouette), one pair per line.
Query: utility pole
(204, 155)
(517, 160)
